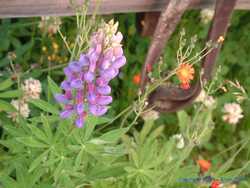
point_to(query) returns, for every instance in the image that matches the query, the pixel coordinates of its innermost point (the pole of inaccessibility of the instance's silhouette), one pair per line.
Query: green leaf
(114, 135)
(54, 88)
(39, 134)
(91, 123)
(47, 127)
(31, 142)
(45, 106)
(5, 106)
(11, 94)
(184, 120)
(38, 161)
(6, 84)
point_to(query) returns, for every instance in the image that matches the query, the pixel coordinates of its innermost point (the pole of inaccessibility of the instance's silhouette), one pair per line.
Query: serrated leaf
(38, 161)
(114, 135)
(45, 106)
(11, 94)
(6, 84)
(7, 107)
(54, 88)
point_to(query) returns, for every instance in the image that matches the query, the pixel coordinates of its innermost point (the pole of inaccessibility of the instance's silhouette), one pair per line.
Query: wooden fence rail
(29, 8)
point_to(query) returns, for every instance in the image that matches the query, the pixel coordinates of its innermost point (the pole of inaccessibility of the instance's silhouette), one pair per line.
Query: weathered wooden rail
(28, 8)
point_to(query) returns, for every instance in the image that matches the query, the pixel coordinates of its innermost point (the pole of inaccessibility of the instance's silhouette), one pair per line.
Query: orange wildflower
(204, 165)
(185, 73)
(137, 79)
(215, 184)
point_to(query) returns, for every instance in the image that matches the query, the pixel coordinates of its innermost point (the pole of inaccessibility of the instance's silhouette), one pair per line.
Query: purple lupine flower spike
(86, 88)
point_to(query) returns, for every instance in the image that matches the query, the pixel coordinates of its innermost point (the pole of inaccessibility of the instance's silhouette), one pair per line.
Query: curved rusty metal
(171, 99)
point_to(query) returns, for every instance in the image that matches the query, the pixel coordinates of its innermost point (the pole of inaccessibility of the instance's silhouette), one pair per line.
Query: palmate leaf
(38, 161)
(7, 107)
(6, 84)
(114, 135)
(11, 94)
(54, 88)
(45, 106)
(31, 142)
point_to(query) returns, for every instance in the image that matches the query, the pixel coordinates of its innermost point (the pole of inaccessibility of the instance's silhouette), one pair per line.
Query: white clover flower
(31, 89)
(150, 115)
(233, 113)
(206, 15)
(179, 141)
(50, 24)
(207, 100)
(21, 108)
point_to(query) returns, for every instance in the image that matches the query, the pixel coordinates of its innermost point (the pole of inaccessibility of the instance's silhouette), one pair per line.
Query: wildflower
(185, 73)
(50, 24)
(204, 165)
(21, 107)
(31, 89)
(233, 113)
(206, 15)
(220, 39)
(150, 115)
(86, 87)
(215, 184)
(179, 141)
(137, 79)
(207, 100)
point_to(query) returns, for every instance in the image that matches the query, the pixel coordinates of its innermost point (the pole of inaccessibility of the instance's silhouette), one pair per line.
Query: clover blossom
(86, 87)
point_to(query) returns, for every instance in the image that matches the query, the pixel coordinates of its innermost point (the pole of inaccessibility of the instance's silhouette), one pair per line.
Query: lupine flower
(21, 107)
(31, 89)
(204, 165)
(137, 79)
(185, 73)
(206, 15)
(233, 113)
(179, 141)
(86, 87)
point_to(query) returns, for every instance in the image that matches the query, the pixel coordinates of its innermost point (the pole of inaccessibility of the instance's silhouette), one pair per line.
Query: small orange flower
(137, 79)
(204, 165)
(185, 73)
(215, 184)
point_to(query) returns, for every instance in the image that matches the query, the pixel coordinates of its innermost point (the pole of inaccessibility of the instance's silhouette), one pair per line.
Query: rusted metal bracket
(171, 99)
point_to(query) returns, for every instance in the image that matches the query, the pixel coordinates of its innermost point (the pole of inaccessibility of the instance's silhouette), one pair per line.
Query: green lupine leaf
(184, 120)
(31, 142)
(11, 94)
(91, 123)
(114, 135)
(45, 106)
(5, 106)
(38, 161)
(47, 127)
(54, 88)
(6, 84)
(38, 133)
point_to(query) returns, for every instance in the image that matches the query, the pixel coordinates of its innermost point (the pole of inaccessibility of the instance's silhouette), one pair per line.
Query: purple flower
(86, 88)
(98, 110)
(104, 90)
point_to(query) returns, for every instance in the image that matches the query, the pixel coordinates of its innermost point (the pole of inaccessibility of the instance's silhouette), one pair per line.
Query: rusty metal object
(166, 25)
(171, 99)
(146, 23)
